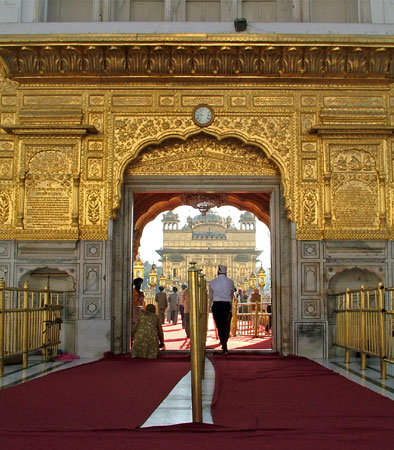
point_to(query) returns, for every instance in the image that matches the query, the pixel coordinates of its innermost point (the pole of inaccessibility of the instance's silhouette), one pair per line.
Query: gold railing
(364, 323)
(29, 321)
(250, 319)
(198, 335)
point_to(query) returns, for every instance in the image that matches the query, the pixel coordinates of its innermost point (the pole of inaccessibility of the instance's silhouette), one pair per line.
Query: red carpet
(261, 402)
(273, 393)
(113, 393)
(175, 338)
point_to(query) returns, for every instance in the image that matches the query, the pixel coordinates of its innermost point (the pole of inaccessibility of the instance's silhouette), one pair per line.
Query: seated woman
(147, 334)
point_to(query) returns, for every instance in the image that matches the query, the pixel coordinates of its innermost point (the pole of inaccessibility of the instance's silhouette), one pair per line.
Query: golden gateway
(98, 136)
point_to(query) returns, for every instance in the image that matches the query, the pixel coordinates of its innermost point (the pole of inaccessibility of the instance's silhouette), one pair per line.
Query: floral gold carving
(196, 100)
(273, 101)
(309, 205)
(95, 145)
(96, 100)
(6, 168)
(309, 146)
(370, 102)
(140, 94)
(165, 100)
(123, 100)
(309, 169)
(52, 100)
(5, 206)
(308, 101)
(238, 101)
(202, 156)
(196, 59)
(6, 145)
(97, 121)
(8, 100)
(95, 169)
(93, 204)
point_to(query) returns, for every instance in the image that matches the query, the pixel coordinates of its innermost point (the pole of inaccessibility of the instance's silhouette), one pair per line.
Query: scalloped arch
(213, 132)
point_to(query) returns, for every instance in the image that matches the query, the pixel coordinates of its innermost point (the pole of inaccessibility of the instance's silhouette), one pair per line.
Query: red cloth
(277, 393)
(66, 357)
(113, 393)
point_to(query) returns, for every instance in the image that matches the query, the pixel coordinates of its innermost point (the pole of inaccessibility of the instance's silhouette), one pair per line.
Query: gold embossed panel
(202, 155)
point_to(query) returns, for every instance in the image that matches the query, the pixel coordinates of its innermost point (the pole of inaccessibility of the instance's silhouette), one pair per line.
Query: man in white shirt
(221, 292)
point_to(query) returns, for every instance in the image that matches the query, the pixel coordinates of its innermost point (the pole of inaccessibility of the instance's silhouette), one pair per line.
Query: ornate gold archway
(201, 154)
(247, 148)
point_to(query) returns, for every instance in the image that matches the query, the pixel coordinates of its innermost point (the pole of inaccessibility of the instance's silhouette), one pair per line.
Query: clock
(203, 115)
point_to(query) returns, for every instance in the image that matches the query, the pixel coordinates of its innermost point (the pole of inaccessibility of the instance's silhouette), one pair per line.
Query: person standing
(185, 302)
(173, 300)
(255, 299)
(221, 292)
(181, 309)
(162, 303)
(138, 298)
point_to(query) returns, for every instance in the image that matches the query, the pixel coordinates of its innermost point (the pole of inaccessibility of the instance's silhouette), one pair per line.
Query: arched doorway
(173, 173)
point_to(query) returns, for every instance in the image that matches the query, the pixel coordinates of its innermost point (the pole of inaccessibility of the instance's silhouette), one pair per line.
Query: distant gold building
(209, 240)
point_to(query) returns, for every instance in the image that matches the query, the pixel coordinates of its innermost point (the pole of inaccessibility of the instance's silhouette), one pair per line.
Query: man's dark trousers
(222, 315)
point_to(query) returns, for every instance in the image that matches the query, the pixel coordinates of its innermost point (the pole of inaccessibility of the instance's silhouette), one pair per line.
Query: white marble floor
(369, 378)
(14, 374)
(177, 407)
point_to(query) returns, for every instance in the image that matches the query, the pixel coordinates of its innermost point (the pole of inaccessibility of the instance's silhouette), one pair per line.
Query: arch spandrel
(272, 135)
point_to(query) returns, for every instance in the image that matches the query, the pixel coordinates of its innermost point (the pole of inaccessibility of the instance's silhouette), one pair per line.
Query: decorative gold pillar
(327, 199)
(382, 200)
(21, 205)
(75, 210)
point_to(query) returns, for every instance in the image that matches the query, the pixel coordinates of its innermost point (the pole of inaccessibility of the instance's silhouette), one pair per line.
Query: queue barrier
(364, 324)
(251, 319)
(29, 321)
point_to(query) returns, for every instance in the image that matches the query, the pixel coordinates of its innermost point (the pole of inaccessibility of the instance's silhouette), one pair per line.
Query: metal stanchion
(45, 357)
(347, 326)
(382, 332)
(195, 353)
(25, 329)
(363, 355)
(2, 327)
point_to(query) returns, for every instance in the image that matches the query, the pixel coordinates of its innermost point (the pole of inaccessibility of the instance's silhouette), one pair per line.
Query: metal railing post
(234, 319)
(363, 358)
(45, 327)
(382, 332)
(256, 322)
(347, 326)
(194, 344)
(2, 327)
(25, 329)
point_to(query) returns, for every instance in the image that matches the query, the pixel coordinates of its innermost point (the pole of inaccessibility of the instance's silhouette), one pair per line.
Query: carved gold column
(327, 198)
(382, 200)
(20, 213)
(75, 210)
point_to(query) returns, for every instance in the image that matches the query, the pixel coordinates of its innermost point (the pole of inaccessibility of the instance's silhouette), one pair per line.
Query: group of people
(147, 333)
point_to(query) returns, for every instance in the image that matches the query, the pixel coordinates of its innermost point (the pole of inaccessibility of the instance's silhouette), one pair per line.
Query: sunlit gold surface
(364, 323)
(79, 113)
(29, 320)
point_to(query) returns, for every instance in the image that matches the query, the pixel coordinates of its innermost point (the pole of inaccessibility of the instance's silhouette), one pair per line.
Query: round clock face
(203, 115)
